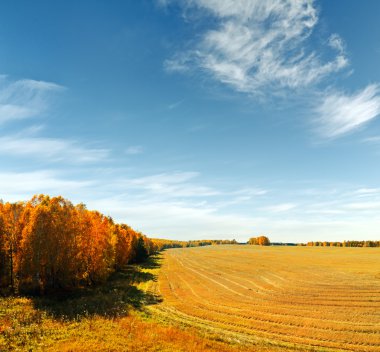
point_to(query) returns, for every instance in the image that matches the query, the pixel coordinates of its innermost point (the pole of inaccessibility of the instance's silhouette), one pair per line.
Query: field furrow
(322, 299)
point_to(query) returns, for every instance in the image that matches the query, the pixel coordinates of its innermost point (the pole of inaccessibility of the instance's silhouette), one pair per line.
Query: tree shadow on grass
(153, 262)
(113, 299)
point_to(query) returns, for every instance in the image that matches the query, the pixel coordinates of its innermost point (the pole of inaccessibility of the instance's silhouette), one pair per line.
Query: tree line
(47, 243)
(345, 244)
(165, 244)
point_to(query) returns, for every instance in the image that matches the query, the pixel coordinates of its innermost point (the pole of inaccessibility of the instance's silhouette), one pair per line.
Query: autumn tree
(3, 254)
(261, 241)
(97, 247)
(48, 247)
(124, 243)
(11, 214)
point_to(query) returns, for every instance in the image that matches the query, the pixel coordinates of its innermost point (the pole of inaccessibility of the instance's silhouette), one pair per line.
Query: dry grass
(27, 329)
(107, 318)
(213, 299)
(306, 298)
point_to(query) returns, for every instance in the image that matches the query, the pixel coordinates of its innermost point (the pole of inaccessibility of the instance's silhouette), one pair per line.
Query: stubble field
(303, 298)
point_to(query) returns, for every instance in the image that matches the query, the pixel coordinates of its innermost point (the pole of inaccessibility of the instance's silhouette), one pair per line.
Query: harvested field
(303, 298)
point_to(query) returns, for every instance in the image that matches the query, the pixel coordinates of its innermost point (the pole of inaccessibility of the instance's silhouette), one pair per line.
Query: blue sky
(197, 118)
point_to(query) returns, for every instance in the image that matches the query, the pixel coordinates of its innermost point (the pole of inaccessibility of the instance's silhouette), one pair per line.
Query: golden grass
(23, 328)
(107, 318)
(306, 298)
(209, 299)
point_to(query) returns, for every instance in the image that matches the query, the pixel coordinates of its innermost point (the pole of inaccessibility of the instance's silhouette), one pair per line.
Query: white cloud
(16, 186)
(50, 149)
(177, 184)
(179, 208)
(364, 206)
(250, 192)
(279, 208)
(339, 113)
(186, 221)
(175, 105)
(179, 63)
(181, 189)
(373, 139)
(367, 191)
(179, 221)
(336, 42)
(134, 149)
(325, 211)
(24, 98)
(166, 178)
(259, 44)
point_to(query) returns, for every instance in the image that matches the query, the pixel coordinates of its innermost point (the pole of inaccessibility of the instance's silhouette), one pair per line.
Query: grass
(208, 299)
(85, 317)
(305, 298)
(111, 317)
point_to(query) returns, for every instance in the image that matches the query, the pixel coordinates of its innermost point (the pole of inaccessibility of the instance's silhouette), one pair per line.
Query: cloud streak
(50, 149)
(339, 113)
(134, 149)
(280, 208)
(170, 185)
(26, 98)
(259, 44)
(164, 205)
(16, 186)
(266, 48)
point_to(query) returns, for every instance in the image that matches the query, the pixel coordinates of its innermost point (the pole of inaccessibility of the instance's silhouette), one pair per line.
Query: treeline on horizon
(264, 241)
(166, 244)
(344, 244)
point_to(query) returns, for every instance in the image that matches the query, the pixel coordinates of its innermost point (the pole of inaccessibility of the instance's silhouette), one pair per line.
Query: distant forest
(345, 244)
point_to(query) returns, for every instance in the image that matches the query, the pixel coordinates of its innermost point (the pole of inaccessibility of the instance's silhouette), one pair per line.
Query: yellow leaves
(261, 241)
(58, 245)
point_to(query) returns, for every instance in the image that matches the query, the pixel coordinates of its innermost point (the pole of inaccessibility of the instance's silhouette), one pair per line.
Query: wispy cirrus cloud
(175, 104)
(279, 208)
(25, 98)
(265, 47)
(164, 205)
(259, 44)
(364, 206)
(180, 190)
(372, 139)
(339, 113)
(50, 149)
(367, 191)
(134, 149)
(172, 185)
(170, 218)
(16, 186)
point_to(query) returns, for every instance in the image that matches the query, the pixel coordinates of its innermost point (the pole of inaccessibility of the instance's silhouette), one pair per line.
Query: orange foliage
(48, 243)
(261, 241)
